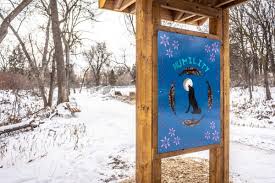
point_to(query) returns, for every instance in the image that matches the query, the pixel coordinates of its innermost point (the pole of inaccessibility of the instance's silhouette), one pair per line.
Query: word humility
(190, 61)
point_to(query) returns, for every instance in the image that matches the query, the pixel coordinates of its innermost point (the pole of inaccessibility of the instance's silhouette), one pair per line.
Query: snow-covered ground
(98, 144)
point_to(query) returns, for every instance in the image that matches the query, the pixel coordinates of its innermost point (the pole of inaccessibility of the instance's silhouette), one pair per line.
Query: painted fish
(190, 71)
(210, 95)
(172, 98)
(192, 122)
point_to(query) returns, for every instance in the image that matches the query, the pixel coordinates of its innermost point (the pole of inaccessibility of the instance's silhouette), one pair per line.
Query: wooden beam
(186, 16)
(202, 21)
(148, 166)
(178, 15)
(194, 19)
(118, 4)
(233, 3)
(189, 32)
(102, 3)
(192, 8)
(224, 2)
(126, 4)
(219, 157)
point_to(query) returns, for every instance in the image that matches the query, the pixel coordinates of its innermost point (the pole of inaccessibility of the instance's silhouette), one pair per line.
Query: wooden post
(219, 157)
(148, 166)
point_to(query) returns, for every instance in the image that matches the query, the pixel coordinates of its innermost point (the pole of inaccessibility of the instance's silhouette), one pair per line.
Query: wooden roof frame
(180, 11)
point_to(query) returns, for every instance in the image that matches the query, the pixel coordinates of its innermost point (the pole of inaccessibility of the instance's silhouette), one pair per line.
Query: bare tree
(98, 57)
(7, 20)
(59, 55)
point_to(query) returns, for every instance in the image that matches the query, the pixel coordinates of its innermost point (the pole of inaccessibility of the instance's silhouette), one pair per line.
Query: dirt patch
(182, 170)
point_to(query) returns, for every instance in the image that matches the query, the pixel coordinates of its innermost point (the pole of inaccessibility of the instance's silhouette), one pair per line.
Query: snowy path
(251, 164)
(106, 151)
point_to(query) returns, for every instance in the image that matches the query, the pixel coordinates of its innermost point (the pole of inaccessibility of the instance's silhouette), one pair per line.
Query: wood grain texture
(147, 165)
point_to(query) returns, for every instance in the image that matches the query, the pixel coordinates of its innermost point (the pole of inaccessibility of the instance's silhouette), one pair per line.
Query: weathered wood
(192, 8)
(118, 4)
(191, 150)
(188, 32)
(147, 165)
(186, 16)
(232, 3)
(194, 19)
(126, 4)
(226, 94)
(219, 157)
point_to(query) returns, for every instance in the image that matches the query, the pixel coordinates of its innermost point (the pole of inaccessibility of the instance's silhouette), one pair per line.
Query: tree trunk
(83, 79)
(59, 57)
(267, 90)
(50, 99)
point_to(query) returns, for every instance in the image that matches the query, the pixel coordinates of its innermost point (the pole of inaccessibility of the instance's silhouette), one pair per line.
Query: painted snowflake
(165, 142)
(175, 45)
(207, 48)
(215, 47)
(176, 140)
(215, 136)
(212, 57)
(164, 40)
(169, 53)
(212, 125)
(172, 132)
(207, 135)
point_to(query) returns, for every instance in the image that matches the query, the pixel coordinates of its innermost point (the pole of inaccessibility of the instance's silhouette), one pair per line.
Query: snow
(98, 144)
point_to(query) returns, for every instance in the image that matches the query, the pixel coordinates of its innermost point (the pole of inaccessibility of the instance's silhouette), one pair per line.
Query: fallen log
(19, 126)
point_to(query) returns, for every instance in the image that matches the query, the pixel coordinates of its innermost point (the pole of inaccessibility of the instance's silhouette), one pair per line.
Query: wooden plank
(233, 3)
(178, 15)
(222, 3)
(226, 93)
(147, 165)
(118, 4)
(188, 32)
(102, 3)
(192, 8)
(186, 151)
(194, 19)
(202, 21)
(186, 16)
(126, 4)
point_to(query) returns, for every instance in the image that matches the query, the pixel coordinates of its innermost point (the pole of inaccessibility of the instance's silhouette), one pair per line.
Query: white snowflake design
(207, 48)
(215, 136)
(165, 142)
(172, 132)
(207, 135)
(212, 125)
(215, 47)
(175, 45)
(212, 57)
(169, 53)
(164, 40)
(177, 140)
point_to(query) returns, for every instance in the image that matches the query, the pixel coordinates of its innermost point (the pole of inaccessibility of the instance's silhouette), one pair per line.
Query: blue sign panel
(188, 91)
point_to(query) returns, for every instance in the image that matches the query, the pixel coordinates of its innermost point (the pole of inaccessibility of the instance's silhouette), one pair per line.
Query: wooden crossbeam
(186, 16)
(194, 19)
(192, 8)
(232, 3)
(178, 16)
(125, 4)
(118, 4)
(222, 3)
(202, 21)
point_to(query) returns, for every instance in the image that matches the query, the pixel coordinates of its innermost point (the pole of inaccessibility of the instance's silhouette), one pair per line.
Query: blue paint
(177, 52)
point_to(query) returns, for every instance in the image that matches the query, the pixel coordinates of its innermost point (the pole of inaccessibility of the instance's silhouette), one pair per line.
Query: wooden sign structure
(149, 14)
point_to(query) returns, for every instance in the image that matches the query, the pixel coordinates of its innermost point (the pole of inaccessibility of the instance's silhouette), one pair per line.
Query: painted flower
(169, 53)
(207, 48)
(216, 136)
(171, 132)
(212, 125)
(215, 47)
(176, 140)
(175, 45)
(165, 142)
(207, 135)
(164, 40)
(212, 57)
